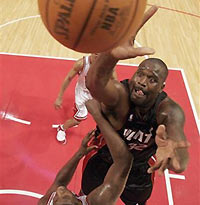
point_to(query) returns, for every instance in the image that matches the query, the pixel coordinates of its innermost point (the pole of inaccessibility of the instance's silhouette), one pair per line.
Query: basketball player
(82, 94)
(137, 108)
(109, 191)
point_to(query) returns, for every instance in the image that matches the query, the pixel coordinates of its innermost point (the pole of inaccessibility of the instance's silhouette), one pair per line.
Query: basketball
(91, 26)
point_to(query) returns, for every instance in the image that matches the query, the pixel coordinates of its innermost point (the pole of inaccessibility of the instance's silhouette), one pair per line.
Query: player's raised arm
(117, 174)
(99, 80)
(66, 173)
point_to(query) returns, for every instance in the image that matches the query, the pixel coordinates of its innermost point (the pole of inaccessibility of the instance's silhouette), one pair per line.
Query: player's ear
(162, 87)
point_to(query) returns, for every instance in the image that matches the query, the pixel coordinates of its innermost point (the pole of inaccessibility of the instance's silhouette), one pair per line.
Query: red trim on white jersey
(76, 110)
(83, 199)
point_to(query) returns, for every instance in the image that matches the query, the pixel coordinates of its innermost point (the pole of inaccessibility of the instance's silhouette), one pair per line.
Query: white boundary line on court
(17, 20)
(66, 58)
(20, 192)
(11, 117)
(169, 187)
(191, 100)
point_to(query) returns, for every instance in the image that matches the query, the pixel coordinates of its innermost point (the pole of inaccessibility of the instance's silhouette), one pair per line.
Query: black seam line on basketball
(85, 24)
(134, 13)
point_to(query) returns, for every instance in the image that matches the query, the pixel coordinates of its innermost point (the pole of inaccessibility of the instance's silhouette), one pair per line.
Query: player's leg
(70, 123)
(80, 113)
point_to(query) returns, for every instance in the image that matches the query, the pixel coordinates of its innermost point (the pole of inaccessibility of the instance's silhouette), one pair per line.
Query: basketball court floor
(31, 76)
(29, 153)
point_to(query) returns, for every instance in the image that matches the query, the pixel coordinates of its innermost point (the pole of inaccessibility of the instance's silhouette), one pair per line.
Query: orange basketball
(91, 26)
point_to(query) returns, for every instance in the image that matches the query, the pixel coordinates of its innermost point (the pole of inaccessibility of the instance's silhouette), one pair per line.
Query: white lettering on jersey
(141, 138)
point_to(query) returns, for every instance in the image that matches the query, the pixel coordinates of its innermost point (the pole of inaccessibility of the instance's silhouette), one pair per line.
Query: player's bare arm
(77, 67)
(65, 175)
(115, 179)
(99, 83)
(172, 152)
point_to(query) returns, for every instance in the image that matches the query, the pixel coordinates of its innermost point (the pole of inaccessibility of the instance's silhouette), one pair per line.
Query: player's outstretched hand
(85, 148)
(58, 103)
(166, 156)
(127, 50)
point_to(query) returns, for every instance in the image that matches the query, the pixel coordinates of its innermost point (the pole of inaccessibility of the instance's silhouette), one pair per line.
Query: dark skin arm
(98, 78)
(172, 151)
(111, 93)
(65, 175)
(117, 175)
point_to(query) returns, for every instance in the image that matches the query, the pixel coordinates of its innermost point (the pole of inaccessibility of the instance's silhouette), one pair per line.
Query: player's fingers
(141, 51)
(176, 164)
(163, 166)
(89, 149)
(58, 107)
(90, 134)
(147, 15)
(183, 144)
(161, 131)
(154, 167)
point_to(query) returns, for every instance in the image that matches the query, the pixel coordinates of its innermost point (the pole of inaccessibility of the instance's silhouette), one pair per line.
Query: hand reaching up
(127, 50)
(166, 154)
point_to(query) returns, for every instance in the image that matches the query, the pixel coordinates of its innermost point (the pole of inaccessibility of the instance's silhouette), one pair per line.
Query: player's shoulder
(78, 65)
(170, 104)
(170, 109)
(122, 90)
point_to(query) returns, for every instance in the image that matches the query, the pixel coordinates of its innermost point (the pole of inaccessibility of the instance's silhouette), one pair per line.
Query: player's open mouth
(139, 92)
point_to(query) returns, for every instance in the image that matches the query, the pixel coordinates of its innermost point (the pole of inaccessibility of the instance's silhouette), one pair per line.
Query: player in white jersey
(82, 199)
(82, 94)
(109, 191)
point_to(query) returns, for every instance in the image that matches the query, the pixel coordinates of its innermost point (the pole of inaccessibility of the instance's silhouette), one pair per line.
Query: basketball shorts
(80, 110)
(139, 184)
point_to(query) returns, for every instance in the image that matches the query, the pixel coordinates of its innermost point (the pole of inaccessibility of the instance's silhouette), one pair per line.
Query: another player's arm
(173, 150)
(65, 175)
(116, 176)
(77, 67)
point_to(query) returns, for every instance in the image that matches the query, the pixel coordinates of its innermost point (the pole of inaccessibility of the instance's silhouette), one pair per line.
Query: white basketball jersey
(82, 94)
(81, 79)
(83, 199)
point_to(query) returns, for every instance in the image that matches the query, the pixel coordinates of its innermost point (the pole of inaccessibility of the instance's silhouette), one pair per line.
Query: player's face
(64, 197)
(146, 83)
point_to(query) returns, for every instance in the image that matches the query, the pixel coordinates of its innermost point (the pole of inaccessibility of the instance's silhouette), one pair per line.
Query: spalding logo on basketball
(91, 26)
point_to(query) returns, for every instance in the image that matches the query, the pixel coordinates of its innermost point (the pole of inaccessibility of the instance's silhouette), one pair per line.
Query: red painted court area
(30, 156)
